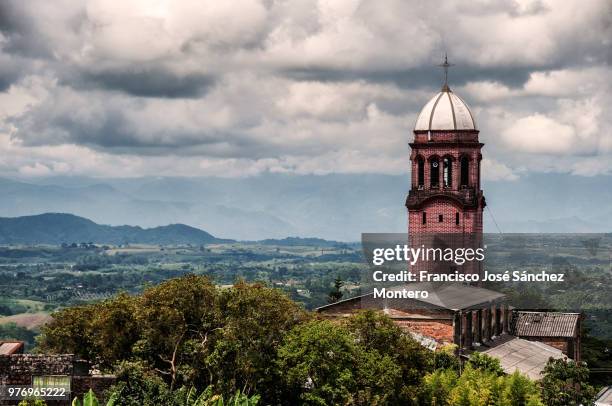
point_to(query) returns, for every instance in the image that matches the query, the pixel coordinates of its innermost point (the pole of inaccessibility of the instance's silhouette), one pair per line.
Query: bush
(485, 363)
(184, 332)
(377, 333)
(365, 361)
(565, 383)
(32, 402)
(479, 387)
(137, 385)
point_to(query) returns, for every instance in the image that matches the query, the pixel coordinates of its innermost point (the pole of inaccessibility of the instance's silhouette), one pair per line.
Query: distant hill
(334, 207)
(58, 228)
(298, 241)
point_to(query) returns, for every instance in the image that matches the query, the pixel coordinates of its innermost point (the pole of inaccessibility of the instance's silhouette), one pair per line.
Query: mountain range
(60, 228)
(333, 207)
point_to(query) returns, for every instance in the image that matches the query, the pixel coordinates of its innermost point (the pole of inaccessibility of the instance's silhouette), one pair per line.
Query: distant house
(11, 347)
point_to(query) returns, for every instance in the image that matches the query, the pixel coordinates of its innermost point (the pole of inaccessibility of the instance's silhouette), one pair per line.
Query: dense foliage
(565, 383)
(187, 332)
(252, 342)
(479, 387)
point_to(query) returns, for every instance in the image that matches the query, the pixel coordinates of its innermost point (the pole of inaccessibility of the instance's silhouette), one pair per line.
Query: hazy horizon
(334, 206)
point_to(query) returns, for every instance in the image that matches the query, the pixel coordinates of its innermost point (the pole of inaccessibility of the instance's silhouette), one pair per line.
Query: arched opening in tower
(434, 172)
(420, 172)
(447, 172)
(465, 171)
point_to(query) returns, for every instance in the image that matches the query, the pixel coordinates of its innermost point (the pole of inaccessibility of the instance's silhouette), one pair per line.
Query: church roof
(445, 111)
(449, 296)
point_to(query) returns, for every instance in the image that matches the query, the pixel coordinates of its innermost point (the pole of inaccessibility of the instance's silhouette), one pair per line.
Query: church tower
(445, 199)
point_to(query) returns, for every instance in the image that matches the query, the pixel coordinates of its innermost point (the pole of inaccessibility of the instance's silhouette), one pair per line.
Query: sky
(102, 88)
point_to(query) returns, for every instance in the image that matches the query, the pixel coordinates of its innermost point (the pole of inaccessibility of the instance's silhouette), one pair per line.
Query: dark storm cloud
(427, 77)
(19, 27)
(144, 82)
(110, 130)
(9, 71)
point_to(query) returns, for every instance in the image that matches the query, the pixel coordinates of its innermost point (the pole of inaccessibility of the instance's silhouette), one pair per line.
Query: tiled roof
(11, 347)
(545, 324)
(451, 296)
(528, 357)
(456, 296)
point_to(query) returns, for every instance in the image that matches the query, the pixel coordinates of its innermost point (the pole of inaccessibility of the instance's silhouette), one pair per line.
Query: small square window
(440, 218)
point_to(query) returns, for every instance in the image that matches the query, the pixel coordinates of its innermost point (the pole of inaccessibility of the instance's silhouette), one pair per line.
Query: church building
(445, 206)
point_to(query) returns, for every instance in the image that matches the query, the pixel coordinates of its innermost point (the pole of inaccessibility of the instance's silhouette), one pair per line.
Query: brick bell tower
(445, 201)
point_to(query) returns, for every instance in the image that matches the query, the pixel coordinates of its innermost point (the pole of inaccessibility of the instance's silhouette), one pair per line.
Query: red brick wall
(470, 221)
(446, 136)
(440, 201)
(441, 331)
(437, 325)
(558, 343)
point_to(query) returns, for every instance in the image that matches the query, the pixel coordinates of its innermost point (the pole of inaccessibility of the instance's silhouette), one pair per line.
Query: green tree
(207, 397)
(187, 332)
(138, 385)
(377, 332)
(479, 387)
(176, 318)
(486, 363)
(114, 329)
(69, 332)
(336, 293)
(437, 387)
(254, 321)
(565, 383)
(445, 358)
(318, 359)
(520, 390)
(11, 331)
(324, 364)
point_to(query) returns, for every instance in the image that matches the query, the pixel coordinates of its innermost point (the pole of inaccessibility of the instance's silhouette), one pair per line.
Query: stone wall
(18, 369)
(98, 383)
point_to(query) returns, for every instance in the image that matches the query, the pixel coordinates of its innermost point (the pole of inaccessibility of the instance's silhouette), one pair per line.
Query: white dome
(445, 111)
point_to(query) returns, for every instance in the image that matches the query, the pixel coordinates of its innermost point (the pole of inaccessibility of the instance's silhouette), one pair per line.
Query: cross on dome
(445, 65)
(446, 111)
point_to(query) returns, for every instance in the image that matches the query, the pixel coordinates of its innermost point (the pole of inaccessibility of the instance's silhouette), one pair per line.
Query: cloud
(538, 133)
(36, 169)
(494, 171)
(89, 86)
